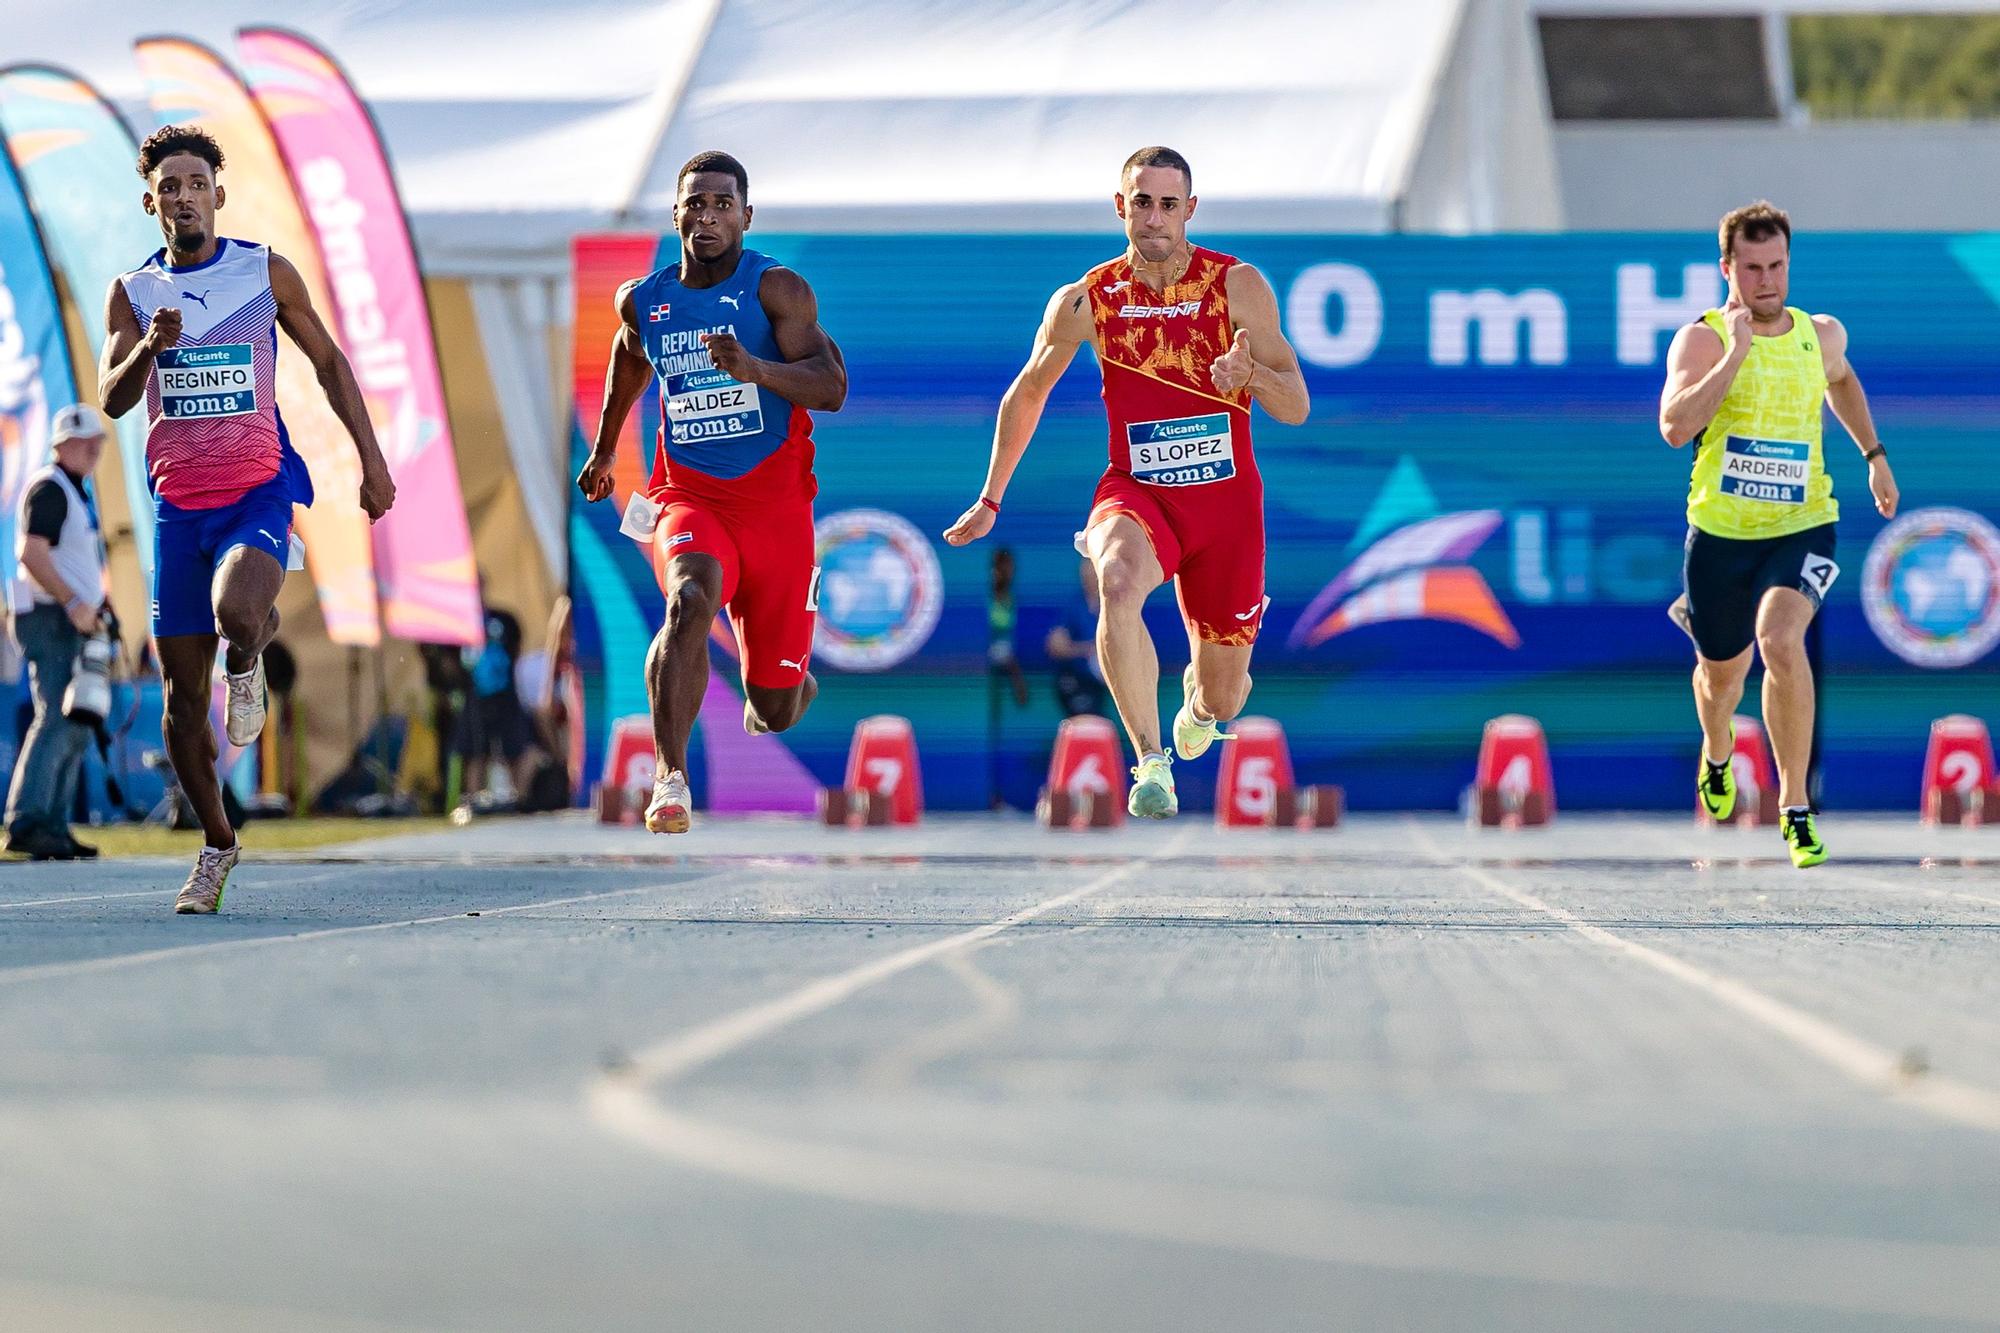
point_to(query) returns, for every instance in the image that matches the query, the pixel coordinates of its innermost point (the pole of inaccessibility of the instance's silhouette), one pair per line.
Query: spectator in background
(1072, 646)
(494, 724)
(57, 596)
(1001, 659)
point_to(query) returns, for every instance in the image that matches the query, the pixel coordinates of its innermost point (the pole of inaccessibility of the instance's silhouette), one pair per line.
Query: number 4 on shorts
(1816, 575)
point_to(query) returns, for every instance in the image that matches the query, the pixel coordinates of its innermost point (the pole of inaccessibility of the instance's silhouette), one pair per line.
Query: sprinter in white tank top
(217, 458)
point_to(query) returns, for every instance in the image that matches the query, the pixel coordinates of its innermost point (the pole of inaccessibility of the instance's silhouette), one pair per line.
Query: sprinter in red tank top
(1187, 338)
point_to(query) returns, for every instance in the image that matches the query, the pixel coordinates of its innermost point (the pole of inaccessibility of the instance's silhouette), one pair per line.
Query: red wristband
(994, 505)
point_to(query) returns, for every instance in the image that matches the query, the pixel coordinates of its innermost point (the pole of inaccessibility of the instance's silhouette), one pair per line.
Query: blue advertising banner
(1479, 517)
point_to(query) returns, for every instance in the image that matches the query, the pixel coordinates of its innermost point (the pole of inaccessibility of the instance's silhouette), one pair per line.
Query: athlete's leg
(1127, 573)
(1221, 679)
(677, 663)
(1782, 618)
(1718, 689)
(187, 665)
(774, 611)
(245, 592)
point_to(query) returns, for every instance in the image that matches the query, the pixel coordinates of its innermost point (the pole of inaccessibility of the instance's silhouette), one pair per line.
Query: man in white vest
(57, 597)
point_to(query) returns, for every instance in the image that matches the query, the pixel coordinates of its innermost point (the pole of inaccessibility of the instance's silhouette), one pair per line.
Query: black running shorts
(1726, 578)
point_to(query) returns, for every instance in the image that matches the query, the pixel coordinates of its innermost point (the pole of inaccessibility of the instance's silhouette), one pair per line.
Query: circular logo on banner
(1931, 587)
(880, 590)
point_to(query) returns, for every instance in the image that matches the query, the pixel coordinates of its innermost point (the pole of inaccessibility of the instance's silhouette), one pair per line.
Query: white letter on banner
(1500, 317)
(1643, 314)
(1361, 314)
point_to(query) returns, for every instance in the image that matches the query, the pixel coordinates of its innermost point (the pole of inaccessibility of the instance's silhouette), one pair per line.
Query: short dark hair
(1753, 222)
(713, 160)
(1158, 156)
(167, 140)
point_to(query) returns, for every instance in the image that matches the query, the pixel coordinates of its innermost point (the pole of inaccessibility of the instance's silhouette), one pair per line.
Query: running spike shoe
(202, 894)
(1803, 839)
(672, 809)
(1152, 794)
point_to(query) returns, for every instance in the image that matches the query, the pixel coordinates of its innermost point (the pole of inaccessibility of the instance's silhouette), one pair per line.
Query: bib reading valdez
(712, 426)
(216, 381)
(1182, 451)
(707, 404)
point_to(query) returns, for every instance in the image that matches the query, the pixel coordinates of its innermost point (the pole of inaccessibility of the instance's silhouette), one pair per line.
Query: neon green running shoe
(1153, 789)
(1716, 785)
(1803, 839)
(1191, 737)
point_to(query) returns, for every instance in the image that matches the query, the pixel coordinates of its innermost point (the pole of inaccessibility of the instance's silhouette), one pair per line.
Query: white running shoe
(246, 705)
(1191, 736)
(1152, 795)
(672, 809)
(202, 894)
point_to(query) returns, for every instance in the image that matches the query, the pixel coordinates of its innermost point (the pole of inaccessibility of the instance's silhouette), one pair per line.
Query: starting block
(1513, 785)
(629, 760)
(884, 784)
(1756, 777)
(1960, 786)
(1086, 787)
(1256, 787)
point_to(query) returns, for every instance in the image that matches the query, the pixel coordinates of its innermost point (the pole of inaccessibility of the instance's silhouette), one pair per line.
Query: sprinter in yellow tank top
(1745, 385)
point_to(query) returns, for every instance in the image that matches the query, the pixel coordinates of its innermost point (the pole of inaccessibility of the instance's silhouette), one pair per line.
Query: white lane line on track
(113, 962)
(670, 1059)
(1904, 1278)
(1874, 1067)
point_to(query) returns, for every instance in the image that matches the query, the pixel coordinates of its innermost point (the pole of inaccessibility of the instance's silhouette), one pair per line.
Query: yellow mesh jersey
(1758, 469)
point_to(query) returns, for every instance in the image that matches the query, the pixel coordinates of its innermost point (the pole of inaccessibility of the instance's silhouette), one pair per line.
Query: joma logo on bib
(1774, 471)
(218, 381)
(1182, 451)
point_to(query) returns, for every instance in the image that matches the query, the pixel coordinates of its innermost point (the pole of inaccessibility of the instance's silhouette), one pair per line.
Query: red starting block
(1960, 786)
(1756, 777)
(1086, 787)
(885, 784)
(628, 771)
(1256, 787)
(1513, 785)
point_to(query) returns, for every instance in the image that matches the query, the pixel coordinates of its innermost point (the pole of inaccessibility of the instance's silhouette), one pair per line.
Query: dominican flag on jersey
(658, 313)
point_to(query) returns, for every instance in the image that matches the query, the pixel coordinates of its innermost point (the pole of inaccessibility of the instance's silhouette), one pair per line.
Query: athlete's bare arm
(1066, 325)
(813, 374)
(1699, 374)
(624, 380)
(336, 379)
(128, 354)
(1850, 405)
(1260, 360)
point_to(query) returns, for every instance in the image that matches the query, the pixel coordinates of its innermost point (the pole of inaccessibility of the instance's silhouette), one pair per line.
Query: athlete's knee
(1120, 582)
(690, 607)
(778, 710)
(241, 624)
(1224, 695)
(184, 710)
(1783, 649)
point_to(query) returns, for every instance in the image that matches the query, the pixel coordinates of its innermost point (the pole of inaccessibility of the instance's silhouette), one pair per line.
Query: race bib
(1816, 575)
(1182, 451)
(198, 382)
(708, 405)
(1774, 471)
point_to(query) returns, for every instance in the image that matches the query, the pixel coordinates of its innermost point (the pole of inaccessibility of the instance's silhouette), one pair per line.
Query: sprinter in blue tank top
(742, 363)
